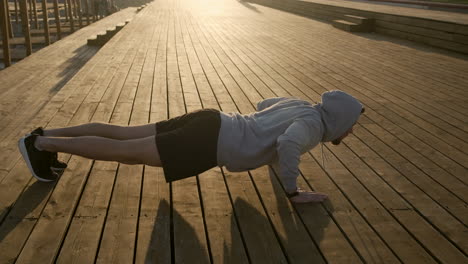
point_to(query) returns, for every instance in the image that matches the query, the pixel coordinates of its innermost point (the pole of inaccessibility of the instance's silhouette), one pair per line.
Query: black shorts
(188, 144)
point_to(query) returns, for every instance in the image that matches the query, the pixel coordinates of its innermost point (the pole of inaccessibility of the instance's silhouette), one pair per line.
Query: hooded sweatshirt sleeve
(269, 102)
(297, 139)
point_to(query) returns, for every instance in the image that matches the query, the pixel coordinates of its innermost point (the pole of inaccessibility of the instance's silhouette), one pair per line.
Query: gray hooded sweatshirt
(282, 130)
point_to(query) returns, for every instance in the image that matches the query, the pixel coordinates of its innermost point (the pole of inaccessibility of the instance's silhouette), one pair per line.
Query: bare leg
(133, 151)
(104, 130)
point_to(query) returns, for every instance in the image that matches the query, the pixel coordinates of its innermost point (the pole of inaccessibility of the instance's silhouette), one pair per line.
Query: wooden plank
(338, 85)
(19, 175)
(21, 124)
(190, 240)
(42, 57)
(217, 60)
(46, 224)
(48, 82)
(393, 225)
(154, 226)
(226, 243)
(55, 215)
(422, 163)
(249, 209)
(364, 238)
(259, 237)
(222, 229)
(238, 97)
(408, 209)
(304, 29)
(90, 215)
(217, 88)
(22, 218)
(455, 254)
(431, 210)
(293, 237)
(404, 73)
(297, 241)
(332, 254)
(401, 242)
(122, 216)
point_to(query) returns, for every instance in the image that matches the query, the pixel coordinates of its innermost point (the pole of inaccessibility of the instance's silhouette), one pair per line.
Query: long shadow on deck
(27, 203)
(315, 226)
(73, 65)
(159, 248)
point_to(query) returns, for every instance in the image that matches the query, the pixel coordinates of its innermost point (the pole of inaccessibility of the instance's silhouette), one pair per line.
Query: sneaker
(37, 161)
(56, 165)
(38, 131)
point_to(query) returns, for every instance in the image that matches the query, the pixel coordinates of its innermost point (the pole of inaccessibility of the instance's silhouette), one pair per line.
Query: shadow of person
(249, 6)
(314, 216)
(235, 251)
(186, 248)
(261, 243)
(159, 248)
(23, 216)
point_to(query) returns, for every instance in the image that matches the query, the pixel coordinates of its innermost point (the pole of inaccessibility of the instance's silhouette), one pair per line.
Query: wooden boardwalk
(397, 187)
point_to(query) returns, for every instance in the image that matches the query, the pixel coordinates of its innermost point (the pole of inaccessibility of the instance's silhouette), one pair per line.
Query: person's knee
(139, 152)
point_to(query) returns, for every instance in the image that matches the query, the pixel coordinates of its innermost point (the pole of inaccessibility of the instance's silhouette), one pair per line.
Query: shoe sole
(58, 171)
(24, 153)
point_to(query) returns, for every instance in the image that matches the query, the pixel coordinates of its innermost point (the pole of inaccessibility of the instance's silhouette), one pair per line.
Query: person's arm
(297, 137)
(269, 102)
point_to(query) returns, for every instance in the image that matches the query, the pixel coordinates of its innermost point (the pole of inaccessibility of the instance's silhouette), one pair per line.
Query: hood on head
(340, 111)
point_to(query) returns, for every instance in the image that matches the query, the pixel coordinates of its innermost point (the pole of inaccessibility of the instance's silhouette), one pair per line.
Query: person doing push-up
(278, 133)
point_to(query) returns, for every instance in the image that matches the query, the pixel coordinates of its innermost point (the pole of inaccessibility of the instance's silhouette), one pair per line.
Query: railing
(27, 14)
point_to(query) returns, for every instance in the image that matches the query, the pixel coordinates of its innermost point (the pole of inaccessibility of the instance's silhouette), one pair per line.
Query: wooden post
(5, 35)
(36, 24)
(80, 17)
(70, 15)
(16, 11)
(65, 4)
(30, 12)
(10, 26)
(87, 11)
(100, 9)
(45, 18)
(75, 9)
(95, 10)
(57, 19)
(25, 26)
